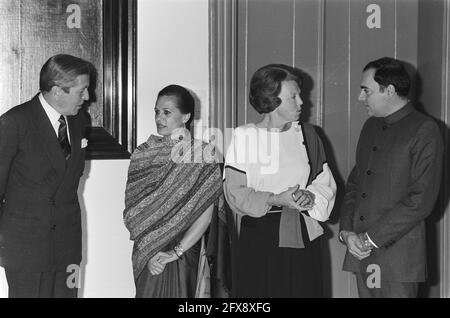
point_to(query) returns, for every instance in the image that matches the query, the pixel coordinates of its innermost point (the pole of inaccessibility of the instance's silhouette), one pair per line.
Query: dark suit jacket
(391, 190)
(40, 219)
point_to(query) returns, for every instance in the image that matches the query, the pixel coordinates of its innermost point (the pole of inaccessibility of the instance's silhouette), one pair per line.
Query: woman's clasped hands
(295, 198)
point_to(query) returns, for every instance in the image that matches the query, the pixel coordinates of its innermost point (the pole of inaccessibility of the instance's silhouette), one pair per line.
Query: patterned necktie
(63, 138)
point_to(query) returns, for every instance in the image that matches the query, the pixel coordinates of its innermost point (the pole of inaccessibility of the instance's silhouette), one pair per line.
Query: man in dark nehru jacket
(392, 188)
(41, 161)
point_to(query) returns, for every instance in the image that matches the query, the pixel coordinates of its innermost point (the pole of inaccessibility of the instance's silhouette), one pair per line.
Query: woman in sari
(174, 186)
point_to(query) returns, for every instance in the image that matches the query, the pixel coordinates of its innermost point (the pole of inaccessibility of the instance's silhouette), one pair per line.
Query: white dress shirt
(53, 116)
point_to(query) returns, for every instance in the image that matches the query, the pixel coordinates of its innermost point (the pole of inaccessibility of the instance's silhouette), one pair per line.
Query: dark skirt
(265, 270)
(178, 280)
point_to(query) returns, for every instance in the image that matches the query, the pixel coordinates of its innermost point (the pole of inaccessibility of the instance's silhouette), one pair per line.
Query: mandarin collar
(399, 114)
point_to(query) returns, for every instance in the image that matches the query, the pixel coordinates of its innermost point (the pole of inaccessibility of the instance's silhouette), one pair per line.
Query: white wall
(107, 248)
(172, 48)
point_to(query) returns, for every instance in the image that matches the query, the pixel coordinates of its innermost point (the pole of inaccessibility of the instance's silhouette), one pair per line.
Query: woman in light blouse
(279, 187)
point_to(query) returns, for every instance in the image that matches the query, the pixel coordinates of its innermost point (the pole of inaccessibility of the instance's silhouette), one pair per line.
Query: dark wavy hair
(265, 86)
(62, 70)
(390, 71)
(185, 101)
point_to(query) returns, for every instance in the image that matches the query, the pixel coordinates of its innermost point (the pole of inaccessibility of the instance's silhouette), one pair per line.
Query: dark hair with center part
(185, 101)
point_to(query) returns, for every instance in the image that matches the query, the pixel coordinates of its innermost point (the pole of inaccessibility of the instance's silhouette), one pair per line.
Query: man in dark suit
(392, 188)
(41, 162)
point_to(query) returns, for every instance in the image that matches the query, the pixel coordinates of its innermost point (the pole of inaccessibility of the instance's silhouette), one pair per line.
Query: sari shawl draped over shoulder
(170, 184)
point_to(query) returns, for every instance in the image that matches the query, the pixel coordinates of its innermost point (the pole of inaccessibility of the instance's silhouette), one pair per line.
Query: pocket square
(84, 143)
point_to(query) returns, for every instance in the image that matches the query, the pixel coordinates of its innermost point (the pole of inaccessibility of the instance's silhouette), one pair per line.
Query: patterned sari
(170, 184)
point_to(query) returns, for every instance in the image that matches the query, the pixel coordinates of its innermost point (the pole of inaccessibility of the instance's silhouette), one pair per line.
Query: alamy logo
(374, 278)
(73, 280)
(257, 146)
(254, 146)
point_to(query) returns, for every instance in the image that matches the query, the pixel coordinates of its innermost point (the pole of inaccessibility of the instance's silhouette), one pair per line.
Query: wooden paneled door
(33, 31)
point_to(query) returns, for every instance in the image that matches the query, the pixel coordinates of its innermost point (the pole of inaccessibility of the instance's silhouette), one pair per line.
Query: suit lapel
(47, 137)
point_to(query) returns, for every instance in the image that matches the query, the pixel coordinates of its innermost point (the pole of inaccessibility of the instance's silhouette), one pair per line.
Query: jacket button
(369, 172)
(361, 218)
(53, 227)
(364, 195)
(384, 127)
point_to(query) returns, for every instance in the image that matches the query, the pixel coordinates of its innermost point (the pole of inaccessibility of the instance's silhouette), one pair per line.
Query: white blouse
(260, 162)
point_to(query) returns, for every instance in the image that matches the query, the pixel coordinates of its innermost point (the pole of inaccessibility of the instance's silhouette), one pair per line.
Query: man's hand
(366, 243)
(355, 245)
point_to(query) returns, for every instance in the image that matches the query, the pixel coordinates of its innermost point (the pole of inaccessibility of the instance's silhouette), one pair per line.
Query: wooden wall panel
(407, 38)
(444, 229)
(336, 78)
(269, 38)
(270, 31)
(433, 98)
(45, 33)
(406, 33)
(35, 30)
(444, 237)
(307, 55)
(10, 54)
(241, 63)
(366, 45)
(331, 41)
(430, 56)
(336, 126)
